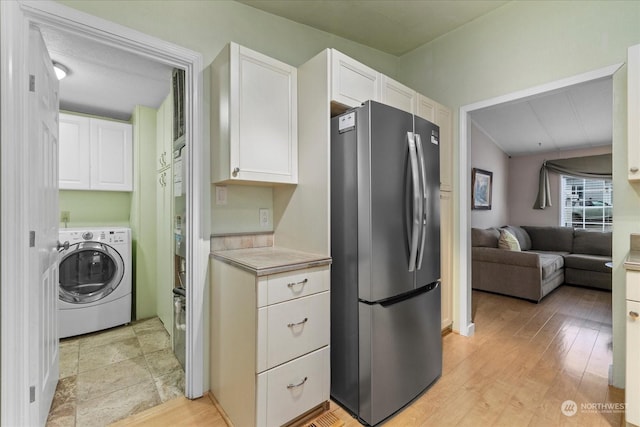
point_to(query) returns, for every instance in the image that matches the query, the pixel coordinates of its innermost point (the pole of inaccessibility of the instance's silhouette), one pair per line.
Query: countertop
(270, 260)
(633, 261)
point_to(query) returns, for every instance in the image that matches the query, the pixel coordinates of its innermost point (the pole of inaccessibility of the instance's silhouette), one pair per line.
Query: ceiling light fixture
(61, 70)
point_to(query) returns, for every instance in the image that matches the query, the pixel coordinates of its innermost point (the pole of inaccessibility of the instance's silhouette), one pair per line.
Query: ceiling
(578, 116)
(104, 80)
(392, 26)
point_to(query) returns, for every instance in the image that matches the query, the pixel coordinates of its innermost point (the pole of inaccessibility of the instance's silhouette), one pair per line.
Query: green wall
(524, 44)
(95, 208)
(143, 211)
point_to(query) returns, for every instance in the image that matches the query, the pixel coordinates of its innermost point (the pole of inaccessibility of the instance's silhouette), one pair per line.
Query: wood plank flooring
(523, 362)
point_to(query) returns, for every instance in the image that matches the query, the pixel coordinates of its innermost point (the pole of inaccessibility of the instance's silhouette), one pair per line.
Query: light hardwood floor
(523, 362)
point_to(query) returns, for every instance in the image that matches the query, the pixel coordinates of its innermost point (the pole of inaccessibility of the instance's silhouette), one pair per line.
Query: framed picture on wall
(481, 182)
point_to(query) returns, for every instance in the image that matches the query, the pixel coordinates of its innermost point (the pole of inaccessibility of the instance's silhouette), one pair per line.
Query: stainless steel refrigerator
(386, 346)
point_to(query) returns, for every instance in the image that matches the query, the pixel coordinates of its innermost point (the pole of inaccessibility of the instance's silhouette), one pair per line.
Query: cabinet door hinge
(32, 394)
(32, 239)
(32, 83)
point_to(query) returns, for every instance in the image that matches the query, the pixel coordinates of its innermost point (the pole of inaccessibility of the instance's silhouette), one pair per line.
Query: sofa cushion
(592, 242)
(558, 239)
(587, 262)
(486, 238)
(508, 241)
(550, 264)
(521, 235)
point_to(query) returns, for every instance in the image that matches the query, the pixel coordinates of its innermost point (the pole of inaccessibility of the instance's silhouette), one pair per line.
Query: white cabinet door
(74, 168)
(111, 156)
(633, 111)
(632, 392)
(352, 83)
(446, 252)
(254, 118)
(398, 95)
(426, 108)
(444, 120)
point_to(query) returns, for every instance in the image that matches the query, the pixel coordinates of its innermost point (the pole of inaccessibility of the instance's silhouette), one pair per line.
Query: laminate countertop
(270, 260)
(633, 261)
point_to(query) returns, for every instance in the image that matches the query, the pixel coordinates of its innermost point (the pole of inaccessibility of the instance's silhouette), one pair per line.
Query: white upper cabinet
(444, 120)
(95, 154)
(398, 95)
(633, 111)
(74, 158)
(352, 83)
(426, 108)
(254, 118)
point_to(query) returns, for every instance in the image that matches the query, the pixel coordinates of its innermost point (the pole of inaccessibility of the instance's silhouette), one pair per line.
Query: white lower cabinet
(269, 343)
(632, 385)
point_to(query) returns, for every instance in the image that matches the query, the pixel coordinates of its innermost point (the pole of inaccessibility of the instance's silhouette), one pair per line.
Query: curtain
(596, 167)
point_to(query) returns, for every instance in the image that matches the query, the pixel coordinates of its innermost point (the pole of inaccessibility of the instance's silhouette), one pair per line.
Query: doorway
(17, 18)
(465, 320)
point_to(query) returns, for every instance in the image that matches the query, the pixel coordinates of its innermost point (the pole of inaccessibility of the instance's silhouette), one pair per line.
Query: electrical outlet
(264, 217)
(65, 216)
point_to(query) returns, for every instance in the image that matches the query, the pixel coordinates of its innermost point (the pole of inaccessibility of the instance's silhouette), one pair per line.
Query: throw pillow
(508, 241)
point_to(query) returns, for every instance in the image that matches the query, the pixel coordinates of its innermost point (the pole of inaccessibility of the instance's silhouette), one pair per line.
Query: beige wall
(523, 186)
(486, 155)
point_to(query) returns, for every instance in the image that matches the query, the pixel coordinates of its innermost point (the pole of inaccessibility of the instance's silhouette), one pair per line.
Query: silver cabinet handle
(634, 315)
(290, 386)
(235, 172)
(292, 284)
(63, 246)
(291, 325)
(633, 169)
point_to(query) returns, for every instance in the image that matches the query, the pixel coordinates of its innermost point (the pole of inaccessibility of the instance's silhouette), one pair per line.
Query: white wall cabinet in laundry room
(254, 118)
(95, 154)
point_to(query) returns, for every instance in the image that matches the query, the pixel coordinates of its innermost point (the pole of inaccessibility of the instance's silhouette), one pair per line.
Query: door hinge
(32, 239)
(32, 394)
(32, 83)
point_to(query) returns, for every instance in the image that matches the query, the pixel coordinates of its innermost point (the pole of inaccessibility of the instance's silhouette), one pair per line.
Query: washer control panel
(103, 236)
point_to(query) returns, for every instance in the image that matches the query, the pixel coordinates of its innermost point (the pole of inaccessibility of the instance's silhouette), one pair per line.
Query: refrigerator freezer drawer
(286, 286)
(292, 389)
(400, 353)
(291, 329)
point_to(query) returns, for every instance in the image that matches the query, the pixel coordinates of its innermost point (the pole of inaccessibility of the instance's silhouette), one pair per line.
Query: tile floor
(112, 374)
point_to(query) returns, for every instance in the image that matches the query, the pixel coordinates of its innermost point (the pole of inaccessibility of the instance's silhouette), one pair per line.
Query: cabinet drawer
(292, 389)
(287, 286)
(291, 329)
(633, 285)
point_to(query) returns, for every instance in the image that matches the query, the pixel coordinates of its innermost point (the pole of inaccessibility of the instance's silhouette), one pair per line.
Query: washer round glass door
(89, 271)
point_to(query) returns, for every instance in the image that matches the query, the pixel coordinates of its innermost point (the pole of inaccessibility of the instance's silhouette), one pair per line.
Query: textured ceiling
(578, 116)
(392, 26)
(103, 80)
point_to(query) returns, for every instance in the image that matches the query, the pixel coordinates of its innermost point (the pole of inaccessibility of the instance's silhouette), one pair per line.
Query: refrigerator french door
(386, 346)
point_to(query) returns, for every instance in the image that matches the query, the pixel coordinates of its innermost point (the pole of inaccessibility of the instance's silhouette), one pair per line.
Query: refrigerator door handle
(417, 202)
(423, 214)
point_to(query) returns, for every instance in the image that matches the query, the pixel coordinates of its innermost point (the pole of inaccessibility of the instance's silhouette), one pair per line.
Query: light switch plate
(221, 195)
(264, 217)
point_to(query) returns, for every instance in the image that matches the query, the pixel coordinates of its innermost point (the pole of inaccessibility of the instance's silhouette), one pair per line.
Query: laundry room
(121, 296)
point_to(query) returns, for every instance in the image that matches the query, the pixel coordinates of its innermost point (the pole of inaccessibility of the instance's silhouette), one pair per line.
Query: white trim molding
(464, 322)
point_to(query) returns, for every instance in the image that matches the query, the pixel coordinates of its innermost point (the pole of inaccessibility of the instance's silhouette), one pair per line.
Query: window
(588, 203)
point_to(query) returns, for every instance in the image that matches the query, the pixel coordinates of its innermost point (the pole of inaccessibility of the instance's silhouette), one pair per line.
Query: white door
(43, 226)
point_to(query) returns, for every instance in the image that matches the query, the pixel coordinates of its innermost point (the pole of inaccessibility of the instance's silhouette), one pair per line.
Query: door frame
(463, 321)
(16, 18)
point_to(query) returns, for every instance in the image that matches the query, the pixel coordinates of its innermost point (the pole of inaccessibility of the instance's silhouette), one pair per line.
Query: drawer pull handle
(633, 169)
(291, 325)
(302, 282)
(290, 386)
(634, 315)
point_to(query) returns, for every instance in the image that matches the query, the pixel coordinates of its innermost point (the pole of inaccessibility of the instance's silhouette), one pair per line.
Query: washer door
(89, 271)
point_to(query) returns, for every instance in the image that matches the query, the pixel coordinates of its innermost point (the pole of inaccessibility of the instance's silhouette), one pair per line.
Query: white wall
(523, 188)
(486, 155)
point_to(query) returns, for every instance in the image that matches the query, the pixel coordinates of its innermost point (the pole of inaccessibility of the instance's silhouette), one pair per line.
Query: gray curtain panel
(595, 167)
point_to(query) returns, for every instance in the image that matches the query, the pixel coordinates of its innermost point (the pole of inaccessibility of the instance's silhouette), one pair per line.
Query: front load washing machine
(94, 291)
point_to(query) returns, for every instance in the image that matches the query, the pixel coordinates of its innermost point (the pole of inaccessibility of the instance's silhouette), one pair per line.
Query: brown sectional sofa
(549, 257)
